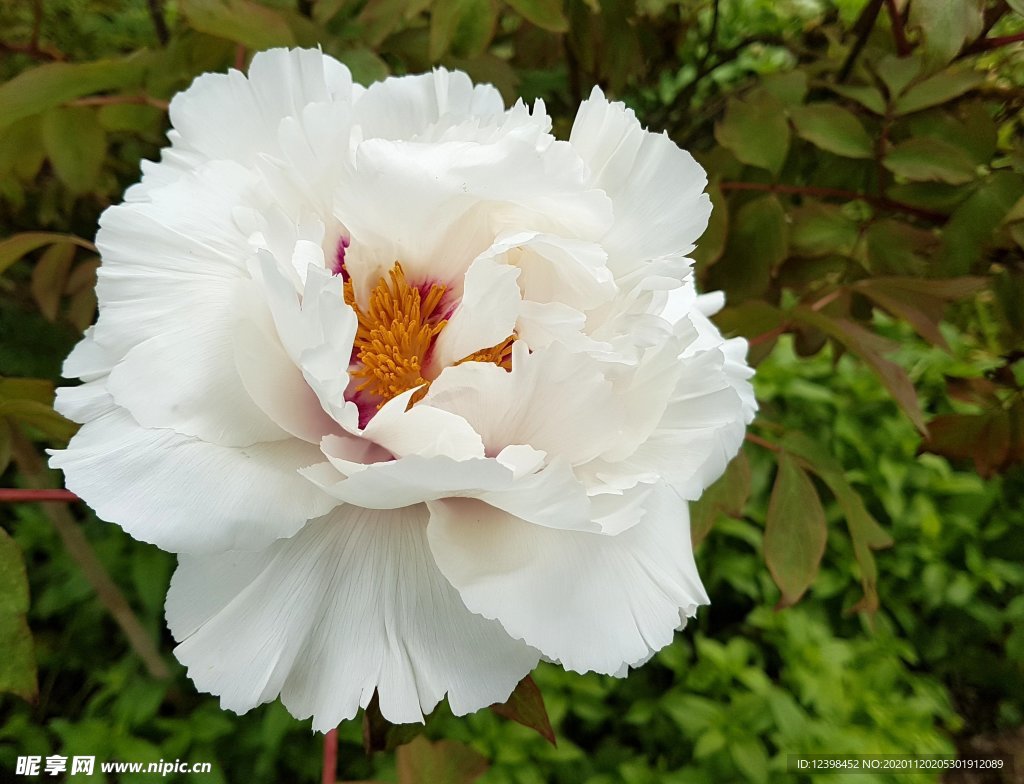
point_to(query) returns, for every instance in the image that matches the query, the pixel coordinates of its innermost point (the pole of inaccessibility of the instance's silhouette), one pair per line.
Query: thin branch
(988, 44)
(110, 100)
(835, 193)
(78, 547)
(770, 335)
(12, 495)
(762, 442)
(32, 50)
(899, 34)
(862, 29)
(330, 770)
(156, 13)
(828, 299)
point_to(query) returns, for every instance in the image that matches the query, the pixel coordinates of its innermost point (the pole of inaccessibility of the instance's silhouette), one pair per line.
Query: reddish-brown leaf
(865, 531)
(443, 762)
(870, 348)
(984, 438)
(795, 532)
(727, 496)
(526, 706)
(920, 302)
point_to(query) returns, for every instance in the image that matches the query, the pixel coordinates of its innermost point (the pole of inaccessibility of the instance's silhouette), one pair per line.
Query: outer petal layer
(590, 601)
(185, 495)
(351, 604)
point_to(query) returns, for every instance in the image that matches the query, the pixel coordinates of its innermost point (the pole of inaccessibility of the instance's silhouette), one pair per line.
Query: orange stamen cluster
(396, 332)
(500, 355)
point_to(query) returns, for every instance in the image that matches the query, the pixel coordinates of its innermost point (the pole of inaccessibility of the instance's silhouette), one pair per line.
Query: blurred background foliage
(865, 552)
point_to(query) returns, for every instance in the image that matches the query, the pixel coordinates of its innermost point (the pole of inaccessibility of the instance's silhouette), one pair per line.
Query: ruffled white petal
(589, 601)
(229, 116)
(656, 188)
(422, 107)
(186, 495)
(351, 604)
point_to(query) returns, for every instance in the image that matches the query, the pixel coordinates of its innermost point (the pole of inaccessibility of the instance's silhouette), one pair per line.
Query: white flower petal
(422, 431)
(420, 107)
(185, 495)
(88, 360)
(273, 381)
(538, 403)
(590, 601)
(164, 261)
(486, 315)
(229, 116)
(656, 188)
(204, 395)
(351, 604)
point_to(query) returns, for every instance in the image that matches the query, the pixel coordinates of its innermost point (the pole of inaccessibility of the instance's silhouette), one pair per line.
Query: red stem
(898, 33)
(998, 41)
(13, 495)
(330, 774)
(762, 442)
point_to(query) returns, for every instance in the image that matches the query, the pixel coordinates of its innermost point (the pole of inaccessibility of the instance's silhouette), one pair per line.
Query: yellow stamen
(395, 334)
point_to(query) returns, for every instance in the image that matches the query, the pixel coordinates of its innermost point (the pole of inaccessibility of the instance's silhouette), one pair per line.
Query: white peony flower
(417, 393)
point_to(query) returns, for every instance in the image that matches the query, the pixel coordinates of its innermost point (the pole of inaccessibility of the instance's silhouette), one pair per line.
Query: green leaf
(49, 278)
(750, 758)
(971, 228)
(897, 72)
(76, 144)
(16, 246)
(727, 496)
(759, 241)
(712, 242)
(833, 129)
(937, 90)
(756, 131)
(870, 348)
(931, 160)
(21, 149)
(132, 117)
(820, 229)
(546, 14)
(894, 247)
(36, 90)
(443, 762)
(17, 661)
(526, 706)
(462, 27)
(795, 532)
(250, 24)
(868, 97)
(365, 65)
(789, 87)
(946, 25)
